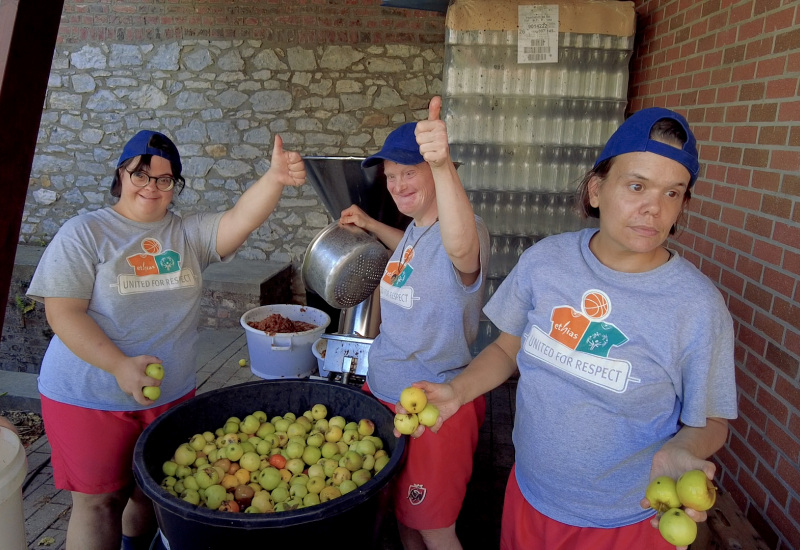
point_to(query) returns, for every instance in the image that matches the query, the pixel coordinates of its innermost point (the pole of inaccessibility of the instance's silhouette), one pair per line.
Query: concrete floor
(47, 509)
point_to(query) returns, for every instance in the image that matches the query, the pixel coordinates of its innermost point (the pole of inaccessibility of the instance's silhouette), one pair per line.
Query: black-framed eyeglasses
(142, 179)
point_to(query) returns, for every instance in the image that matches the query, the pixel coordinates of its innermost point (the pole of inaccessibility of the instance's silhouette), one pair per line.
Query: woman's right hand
(353, 215)
(445, 399)
(132, 379)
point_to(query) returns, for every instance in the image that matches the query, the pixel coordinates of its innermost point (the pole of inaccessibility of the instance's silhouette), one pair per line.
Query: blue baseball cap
(633, 136)
(400, 146)
(143, 143)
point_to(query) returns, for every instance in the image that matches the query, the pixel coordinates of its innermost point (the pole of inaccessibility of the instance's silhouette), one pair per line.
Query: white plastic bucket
(13, 467)
(288, 354)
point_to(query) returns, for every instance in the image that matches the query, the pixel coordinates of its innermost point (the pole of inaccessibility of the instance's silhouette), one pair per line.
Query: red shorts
(524, 527)
(430, 489)
(92, 450)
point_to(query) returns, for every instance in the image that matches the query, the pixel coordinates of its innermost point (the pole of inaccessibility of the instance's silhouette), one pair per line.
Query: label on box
(538, 34)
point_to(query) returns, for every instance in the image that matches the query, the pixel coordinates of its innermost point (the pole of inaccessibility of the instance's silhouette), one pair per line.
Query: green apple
(296, 429)
(294, 449)
(662, 494)
(190, 482)
(413, 399)
(281, 425)
(365, 447)
(206, 477)
(250, 424)
(269, 478)
(406, 424)
(695, 490)
(279, 494)
(311, 499)
(183, 471)
(315, 484)
(250, 461)
(234, 452)
(265, 429)
(311, 455)
(151, 392)
(353, 461)
(169, 467)
(316, 439)
(429, 415)
(295, 465)
(155, 370)
(677, 528)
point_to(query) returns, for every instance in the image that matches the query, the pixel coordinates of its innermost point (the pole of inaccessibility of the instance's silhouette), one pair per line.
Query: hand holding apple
(153, 370)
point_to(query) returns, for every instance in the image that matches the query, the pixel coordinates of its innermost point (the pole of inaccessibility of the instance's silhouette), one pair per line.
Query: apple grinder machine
(344, 264)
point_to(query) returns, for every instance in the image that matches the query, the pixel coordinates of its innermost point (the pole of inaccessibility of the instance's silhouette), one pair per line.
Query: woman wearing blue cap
(121, 288)
(431, 295)
(624, 350)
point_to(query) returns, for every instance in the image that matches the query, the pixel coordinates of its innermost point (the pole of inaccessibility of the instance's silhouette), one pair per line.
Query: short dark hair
(131, 165)
(667, 131)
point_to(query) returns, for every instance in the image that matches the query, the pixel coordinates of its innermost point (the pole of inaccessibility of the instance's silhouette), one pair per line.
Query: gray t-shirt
(429, 318)
(144, 283)
(611, 364)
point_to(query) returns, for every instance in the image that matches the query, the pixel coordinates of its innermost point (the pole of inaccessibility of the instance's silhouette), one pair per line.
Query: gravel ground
(29, 425)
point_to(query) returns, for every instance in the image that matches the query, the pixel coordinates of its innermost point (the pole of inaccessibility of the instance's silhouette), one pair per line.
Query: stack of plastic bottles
(525, 132)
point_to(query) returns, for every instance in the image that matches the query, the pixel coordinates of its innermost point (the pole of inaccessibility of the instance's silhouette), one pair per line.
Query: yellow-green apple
(329, 493)
(234, 452)
(381, 462)
(695, 490)
(215, 495)
(366, 427)
(281, 425)
(353, 461)
(295, 465)
(334, 433)
(151, 392)
(294, 449)
(340, 474)
(319, 411)
(406, 424)
(190, 482)
(677, 528)
(350, 436)
(337, 421)
(191, 496)
(311, 455)
(185, 455)
(305, 423)
(360, 477)
(316, 470)
(296, 429)
(662, 494)
(262, 501)
(347, 485)
(413, 399)
(155, 370)
(315, 484)
(265, 429)
(279, 494)
(311, 499)
(429, 415)
(316, 439)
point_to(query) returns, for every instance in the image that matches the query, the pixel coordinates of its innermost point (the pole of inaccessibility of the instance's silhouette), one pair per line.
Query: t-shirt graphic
(155, 269)
(393, 283)
(579, 343)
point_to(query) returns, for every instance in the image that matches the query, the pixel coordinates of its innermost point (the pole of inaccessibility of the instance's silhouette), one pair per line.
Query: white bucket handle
(276, 345)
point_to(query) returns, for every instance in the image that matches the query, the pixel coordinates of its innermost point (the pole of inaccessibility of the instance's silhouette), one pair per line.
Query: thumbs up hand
(432, 136)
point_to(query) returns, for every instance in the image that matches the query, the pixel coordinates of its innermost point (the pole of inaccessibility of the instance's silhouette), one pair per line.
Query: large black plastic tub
(352, 519)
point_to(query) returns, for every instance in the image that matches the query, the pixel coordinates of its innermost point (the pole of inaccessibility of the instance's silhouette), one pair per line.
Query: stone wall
(222, 102)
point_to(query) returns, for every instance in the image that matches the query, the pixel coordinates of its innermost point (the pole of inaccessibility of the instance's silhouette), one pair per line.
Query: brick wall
(289, 22)
(733, 67)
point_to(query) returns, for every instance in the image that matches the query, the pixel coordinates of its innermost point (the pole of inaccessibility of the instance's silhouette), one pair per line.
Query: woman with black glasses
(121, 288)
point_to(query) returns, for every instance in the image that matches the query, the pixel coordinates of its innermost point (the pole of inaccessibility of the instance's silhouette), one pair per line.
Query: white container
(288, 354)
(13, 467)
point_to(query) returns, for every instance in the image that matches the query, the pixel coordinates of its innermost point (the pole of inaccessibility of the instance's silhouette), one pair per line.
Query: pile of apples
(257, 466)
(418, 411)
(666, 495)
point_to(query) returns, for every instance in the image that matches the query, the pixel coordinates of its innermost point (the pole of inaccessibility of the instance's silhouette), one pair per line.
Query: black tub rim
(323, 511)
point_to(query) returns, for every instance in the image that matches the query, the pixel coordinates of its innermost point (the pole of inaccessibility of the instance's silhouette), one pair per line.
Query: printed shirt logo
(393, 283)
(416, 493)
(154, 270)
(579, 343)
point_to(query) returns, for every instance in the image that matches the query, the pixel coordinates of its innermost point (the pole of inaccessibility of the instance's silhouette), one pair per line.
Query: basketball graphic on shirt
(596, 305)
(151, 246)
